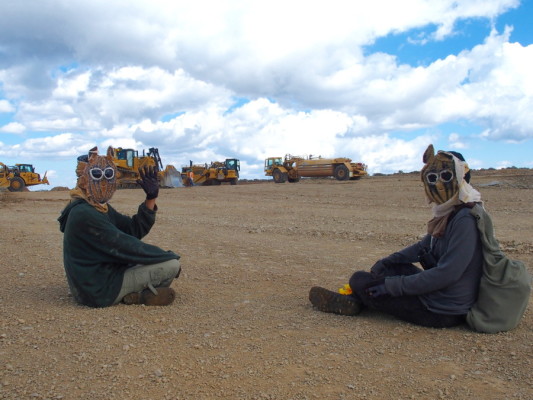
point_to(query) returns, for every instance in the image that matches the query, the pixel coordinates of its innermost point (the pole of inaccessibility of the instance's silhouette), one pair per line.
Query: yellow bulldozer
(17, 177)
(211, 174)
(292, 168)
(128, 163)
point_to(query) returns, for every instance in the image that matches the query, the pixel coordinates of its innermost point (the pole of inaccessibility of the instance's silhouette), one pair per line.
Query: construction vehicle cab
(23, 168)
(128, 155)
(233, 164)
(272, 161)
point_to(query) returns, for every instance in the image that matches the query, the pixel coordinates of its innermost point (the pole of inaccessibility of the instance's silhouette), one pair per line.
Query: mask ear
(110, 153)
(93, 153)
(429, 154)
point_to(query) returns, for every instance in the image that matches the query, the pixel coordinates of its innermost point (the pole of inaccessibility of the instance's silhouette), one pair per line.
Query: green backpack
(505, 284)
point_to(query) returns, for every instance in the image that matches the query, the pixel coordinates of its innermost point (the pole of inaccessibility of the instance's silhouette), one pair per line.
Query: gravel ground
(242, 326)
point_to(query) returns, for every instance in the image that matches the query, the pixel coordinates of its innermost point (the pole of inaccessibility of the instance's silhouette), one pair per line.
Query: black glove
(380, 267)
(377, 291)
(149, 182)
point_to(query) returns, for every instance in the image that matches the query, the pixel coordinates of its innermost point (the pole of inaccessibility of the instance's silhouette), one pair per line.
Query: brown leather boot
(164, 297)
(331, 302)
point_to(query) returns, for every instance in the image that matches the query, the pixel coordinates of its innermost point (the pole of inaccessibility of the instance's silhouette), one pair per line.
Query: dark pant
(406, 308)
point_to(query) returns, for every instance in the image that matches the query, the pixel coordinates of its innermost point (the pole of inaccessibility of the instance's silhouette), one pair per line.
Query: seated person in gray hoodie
(105, 261)
(440, 293)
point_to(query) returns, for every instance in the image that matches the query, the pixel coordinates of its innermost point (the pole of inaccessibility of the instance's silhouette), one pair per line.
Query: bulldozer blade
(170, 177)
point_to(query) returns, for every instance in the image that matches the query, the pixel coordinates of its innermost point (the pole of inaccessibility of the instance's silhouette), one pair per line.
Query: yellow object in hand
(346, 289)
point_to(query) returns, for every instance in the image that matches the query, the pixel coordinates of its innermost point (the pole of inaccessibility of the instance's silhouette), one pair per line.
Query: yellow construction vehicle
(128, 163)
(212, 174)
(292, 168)
(17, 177)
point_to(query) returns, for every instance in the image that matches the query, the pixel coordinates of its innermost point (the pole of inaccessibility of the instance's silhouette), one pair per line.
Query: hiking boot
(333, 302)
(164, 297)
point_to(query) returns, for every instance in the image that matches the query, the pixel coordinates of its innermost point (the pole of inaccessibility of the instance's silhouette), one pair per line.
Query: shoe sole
(164, 297)
(331, 302)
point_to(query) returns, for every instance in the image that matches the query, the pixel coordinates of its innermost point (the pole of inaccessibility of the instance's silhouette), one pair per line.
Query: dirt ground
(242, 326)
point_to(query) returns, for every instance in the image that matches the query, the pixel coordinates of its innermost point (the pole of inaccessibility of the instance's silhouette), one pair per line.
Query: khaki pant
(140, 277)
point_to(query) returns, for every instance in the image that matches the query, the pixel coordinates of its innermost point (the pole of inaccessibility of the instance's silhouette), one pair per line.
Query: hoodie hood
(66, 211)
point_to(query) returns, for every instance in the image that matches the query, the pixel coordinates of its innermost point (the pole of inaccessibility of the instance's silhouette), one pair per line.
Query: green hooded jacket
(99, 247)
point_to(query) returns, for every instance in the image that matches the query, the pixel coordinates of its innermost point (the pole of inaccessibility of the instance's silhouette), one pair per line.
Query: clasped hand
(377, 290)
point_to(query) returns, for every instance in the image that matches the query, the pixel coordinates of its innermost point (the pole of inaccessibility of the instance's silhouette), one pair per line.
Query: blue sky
(205, 81)
(468, 33)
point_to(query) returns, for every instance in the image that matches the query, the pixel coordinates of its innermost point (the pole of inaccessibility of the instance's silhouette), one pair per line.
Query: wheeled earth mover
(292, 168)
(212, 174)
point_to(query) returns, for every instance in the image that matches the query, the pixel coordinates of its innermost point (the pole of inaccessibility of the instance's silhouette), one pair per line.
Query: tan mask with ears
(98, 177)
(438, 176)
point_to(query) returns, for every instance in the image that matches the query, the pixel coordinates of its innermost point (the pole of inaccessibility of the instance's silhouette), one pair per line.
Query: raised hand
(149, 182)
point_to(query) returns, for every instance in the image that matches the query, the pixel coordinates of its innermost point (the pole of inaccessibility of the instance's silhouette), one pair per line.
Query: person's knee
(172, 270)
(175, 267)
(359, 281)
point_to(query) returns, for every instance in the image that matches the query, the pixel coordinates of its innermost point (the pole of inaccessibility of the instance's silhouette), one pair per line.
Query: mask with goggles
(445, 176)
(446, 179)
(98, 176)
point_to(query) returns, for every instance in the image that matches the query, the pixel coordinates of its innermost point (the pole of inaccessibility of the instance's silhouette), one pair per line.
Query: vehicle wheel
(279, 177)
(233, 181)
(294, 180)
(16, 184)
(341, 172)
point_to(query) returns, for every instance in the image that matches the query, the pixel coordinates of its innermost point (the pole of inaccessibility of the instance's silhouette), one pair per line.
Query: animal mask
(439, 176)
(97, 176)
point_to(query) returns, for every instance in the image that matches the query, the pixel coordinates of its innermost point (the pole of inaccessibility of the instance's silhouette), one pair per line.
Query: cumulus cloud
(254, 79)
(13, 127)
(456, 142)
(50, 147)
(6, 106)
(501, 87)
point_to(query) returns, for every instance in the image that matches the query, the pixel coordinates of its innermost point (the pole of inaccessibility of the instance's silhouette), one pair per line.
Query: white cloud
(166, 74)
(387, 155)
(71, 87)
(51, 147)
(474, 163)
(6, 106)
(501, 88)
(503, 164)
(13, 127)
(455, 142)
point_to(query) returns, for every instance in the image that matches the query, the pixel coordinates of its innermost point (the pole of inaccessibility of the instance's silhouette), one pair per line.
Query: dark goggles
(444, 176)
(97, 173)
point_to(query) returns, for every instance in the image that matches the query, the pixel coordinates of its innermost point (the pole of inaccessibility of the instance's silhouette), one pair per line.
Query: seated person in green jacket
(105, 261)
(451, 255)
